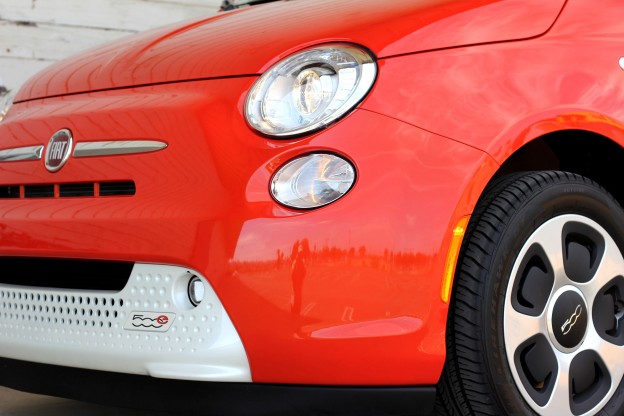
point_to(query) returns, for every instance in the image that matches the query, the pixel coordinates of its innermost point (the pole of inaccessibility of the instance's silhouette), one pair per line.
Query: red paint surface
(349, 293)
(249, 40)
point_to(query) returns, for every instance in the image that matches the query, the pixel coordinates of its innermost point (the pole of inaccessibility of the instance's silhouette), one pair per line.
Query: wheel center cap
(568, 318)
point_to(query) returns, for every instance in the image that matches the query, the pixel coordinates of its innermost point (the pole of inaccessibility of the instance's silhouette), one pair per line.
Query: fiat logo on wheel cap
(567, 325)
(58, 150)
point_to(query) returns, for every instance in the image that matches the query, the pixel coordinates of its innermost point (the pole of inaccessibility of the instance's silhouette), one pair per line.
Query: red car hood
(248, 40)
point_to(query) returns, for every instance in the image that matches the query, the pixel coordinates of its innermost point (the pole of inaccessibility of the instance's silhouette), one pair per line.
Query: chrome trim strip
(109, 148)
(18, 154)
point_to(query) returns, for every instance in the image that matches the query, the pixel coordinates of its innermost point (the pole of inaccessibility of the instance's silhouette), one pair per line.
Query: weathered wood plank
(35, 33)
(14, 71)
(106, 14)
(49, 42)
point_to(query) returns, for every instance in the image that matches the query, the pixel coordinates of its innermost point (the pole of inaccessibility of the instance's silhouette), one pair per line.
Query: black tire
(505, 288)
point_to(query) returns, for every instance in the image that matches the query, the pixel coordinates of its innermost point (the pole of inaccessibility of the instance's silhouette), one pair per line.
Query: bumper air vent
(69, 190)
(7, 192)
(117, 188)
(39, 191)
(76, 189)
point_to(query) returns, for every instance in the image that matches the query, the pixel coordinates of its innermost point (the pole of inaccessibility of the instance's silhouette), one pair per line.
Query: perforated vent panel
(91, 323)
(47, 310)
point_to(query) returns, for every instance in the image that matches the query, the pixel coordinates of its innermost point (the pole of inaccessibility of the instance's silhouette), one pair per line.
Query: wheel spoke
(595, 372)
(559, 402)
(610, 266)
(550, 238)
(611, 355)
(520, 327)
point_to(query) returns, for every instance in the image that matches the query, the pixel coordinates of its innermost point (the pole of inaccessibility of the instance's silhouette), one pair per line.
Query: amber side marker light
(451, 258)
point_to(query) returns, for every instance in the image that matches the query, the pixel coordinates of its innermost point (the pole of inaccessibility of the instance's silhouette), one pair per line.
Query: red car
(329, 206)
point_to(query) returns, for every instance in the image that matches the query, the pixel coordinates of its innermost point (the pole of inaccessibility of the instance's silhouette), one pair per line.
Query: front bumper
(367, 310)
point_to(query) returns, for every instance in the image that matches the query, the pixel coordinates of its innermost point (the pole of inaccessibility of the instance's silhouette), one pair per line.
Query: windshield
(235, 4)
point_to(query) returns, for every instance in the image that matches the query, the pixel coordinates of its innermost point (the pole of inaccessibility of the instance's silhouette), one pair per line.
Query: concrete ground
(15, 403)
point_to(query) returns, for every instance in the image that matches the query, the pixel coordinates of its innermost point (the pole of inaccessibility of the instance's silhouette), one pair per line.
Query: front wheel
(536, 324)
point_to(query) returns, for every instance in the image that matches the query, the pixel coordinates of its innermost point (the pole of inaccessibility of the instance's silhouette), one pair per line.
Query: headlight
(312, 181)
(310, 90)
(5, 103)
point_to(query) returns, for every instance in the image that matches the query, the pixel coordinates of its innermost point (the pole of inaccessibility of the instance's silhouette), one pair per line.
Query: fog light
(196, 290)
(312, 181)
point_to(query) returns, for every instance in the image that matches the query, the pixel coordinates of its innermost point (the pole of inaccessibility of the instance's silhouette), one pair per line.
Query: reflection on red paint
(371, 329)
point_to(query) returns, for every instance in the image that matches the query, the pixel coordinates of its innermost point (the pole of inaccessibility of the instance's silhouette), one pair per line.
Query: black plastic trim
(127, 188)
(65, 273)
(76, 190)
(39, 191)
(11, 192)
(212, 398)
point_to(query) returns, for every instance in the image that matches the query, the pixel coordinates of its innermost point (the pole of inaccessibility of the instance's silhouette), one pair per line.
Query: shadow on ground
(15, 403)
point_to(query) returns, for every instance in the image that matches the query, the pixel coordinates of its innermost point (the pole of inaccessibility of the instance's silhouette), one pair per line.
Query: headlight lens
(312, 181)
(310, 90)
(5, 103)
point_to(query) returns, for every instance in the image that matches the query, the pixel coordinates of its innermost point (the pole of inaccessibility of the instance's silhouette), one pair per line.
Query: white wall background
(35, 33)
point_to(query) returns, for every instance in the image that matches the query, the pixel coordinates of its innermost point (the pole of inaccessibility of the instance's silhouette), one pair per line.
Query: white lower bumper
(85, 328)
